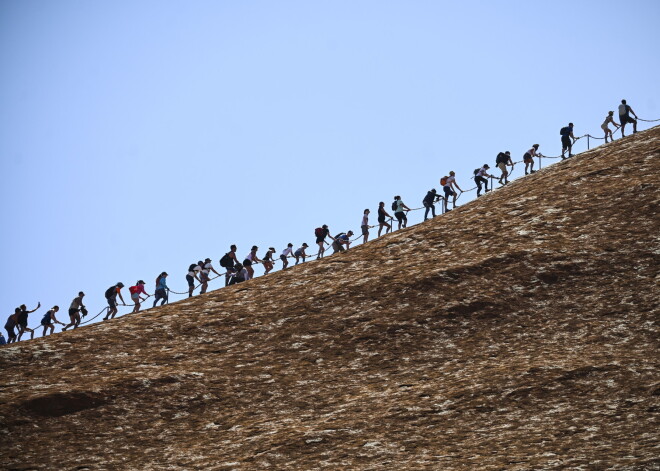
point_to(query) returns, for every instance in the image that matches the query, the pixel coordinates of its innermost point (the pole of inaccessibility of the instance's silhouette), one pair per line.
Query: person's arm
(405, 207)
(121, 297)
(38, 306)
(213, 270)
(196, 276)
(52, 316)
(633, 113)
(458, 187)
(144, 292)
(572, 136)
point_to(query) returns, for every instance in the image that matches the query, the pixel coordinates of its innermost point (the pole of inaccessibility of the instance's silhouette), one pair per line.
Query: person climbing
(342, 239)
(205, 274)
(624, 117)
(12, 321)
(300, 253)
(286, 253)
(400, 209)
(449, 186)
(480, 178)
(162, 291)
(111, 296)
(567, 140)
(193, 269)
(229, 262)
(503, 160)
(75, 309)
(528, 158)
(22, 320)
(608, 132)
(135, 292)
(49, 320)
(382, 214)
(268, 260)
(249, 260)
(429, 202)
(365, 226)
(239, 275)
(321, 233)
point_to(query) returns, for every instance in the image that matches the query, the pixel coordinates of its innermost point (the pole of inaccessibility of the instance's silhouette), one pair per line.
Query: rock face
(519, 332)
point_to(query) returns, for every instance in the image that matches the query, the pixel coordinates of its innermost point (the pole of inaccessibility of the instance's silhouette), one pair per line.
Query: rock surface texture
(517, 332)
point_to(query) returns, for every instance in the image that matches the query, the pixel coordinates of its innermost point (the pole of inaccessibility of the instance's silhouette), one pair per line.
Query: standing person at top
(193, 269)
(300, 253)
(321, 233)
(76, 307)
(567, 140)
(12, 321)
(624, 117)
(342, 239)
(111, 296)
(608, 132)
(205, 274)
(229, 262)
(501, 161)
(288, 252)
(382, 214)
(449, 186)
(22, 320)
(249, 260)
(480, 178)
(528, 158)
(135, 292)
(268, 260)
(400, 209)
(365, 226)
(161, 289)
(429, 203)
(49, 320)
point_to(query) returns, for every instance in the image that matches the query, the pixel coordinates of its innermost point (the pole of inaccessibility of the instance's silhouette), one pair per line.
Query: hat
(207, 259)
(324, 226)
(254, 247)
(508, 153)
(349, 233)
(271, 248)
(140, 282)
(120, 284)
(305, 245)
(486, 166)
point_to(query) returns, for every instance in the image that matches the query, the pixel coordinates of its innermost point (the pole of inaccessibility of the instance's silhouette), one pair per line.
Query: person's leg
(433, 210)
(426, 211)
(634, 123)
(45, 329)
(477, 180)
(380, 228)
(298, 258)
(405, 219)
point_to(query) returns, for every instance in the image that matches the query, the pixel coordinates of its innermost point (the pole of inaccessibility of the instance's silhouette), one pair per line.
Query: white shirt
(481, 172)
(450, 180)
(207, 268)
(288, 251)
(365, 220)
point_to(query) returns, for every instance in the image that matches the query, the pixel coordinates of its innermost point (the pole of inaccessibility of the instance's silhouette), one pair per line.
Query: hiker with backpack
(111, 296)
(321, 233)
(503, 160)
(229, 262)
(249, 260)
(12, 321)
(288, 252)
(205, 273)
(382, 214)
(365, 226)
(49, 320)
(162, 291)
(528, 158)
(449, 186)
(624, 117)
(268, 260)
(342, 239)
(22, 320)
(608, 132)
(300, 253)
(192, 276)
(429, 203)
(480, 175)
(135, 292)
(567, 140)
(75, 308)
(400, 209)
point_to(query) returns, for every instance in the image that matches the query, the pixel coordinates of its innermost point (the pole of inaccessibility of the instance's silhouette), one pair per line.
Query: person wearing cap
(111, 295)
(300, 253)
(23, 320)
(567, 140)
(365, 226)
(608, 132)
(161, 289)
(206, 268)
(320, 240)
(624, 117)
(480, 178)
(286, 253)
(76, 307)
(231, 268)
(502, 160)
(400, 211)
(342, 239)
(49, 320)
(528, 158)
(448, 187)
(136, 291)
(429, 203)
(268, 260)
(249, 260)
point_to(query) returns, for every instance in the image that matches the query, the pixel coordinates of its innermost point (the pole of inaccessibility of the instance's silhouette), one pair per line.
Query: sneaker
(571, 155)
(525, 172)
(447, 210)
(487, 190)
(532, 171)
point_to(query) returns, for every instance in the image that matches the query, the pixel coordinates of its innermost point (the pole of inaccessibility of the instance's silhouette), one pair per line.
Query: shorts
(566, 142)
(297, 253)
(448, 191)
(73, 312)
(46, 322)
(247, 263)
(381, 219)
(400, 216)
(204, 277)
(365, 230)
(160, 293)
(626, 119)
(319, 240)
(135, 296)
(112, 302)
(338, 247)
(527, 158)
(502, 166)
(283, 258)
(191, 280)
(604, 127)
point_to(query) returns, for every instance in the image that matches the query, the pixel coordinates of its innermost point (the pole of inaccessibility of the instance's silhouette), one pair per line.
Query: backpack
(319, 232)
(110, 292)
(443, 180)
(429, 198)
(502, 158)
(132, 289)
(225, 261)
(394, 206)
(565, 131)
(476, 171)
(339, 235)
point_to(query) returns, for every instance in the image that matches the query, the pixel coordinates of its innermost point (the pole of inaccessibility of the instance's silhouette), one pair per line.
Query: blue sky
(141, 136)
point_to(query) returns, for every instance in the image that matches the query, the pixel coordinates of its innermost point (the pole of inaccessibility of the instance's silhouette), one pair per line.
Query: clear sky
(141, 136)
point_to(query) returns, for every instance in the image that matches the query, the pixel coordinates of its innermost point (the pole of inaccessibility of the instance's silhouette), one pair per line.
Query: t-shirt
(286, 252)
(76, 303)
(300, 251)
(399, 206)
(482, 172)
(365, 220)
(449, 181)
(193, 271)
(162, 284)
(139, 289)
(342, 238)
(430, 197)
(207, 268)
(251, 256)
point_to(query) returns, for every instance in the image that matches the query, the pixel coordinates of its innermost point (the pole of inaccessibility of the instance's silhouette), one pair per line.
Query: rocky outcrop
(519, 332)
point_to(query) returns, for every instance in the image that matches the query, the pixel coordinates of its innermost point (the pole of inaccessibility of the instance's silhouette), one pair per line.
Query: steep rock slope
(517, 332)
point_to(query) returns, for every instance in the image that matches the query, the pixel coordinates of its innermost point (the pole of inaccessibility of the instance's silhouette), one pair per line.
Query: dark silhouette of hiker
(567, 140)
(608, 132)
(76, 307)
(624, 117)
(382, 214)
(23, 320)
(400, 210)
(429, 203)
(480, 178)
